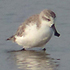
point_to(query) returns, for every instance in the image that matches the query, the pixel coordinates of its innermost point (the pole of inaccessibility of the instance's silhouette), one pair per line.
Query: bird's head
(48, 17)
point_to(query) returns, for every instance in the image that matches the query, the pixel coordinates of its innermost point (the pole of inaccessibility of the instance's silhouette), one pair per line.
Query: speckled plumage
(30, 20)
(36, 31)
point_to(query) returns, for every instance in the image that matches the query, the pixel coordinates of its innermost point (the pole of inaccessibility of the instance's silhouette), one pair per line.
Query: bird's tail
(11, 38)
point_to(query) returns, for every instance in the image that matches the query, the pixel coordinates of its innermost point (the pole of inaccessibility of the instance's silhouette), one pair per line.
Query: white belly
(35, 37)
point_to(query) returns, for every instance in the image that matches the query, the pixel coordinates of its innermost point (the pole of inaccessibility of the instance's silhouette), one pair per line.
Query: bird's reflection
(34, 60)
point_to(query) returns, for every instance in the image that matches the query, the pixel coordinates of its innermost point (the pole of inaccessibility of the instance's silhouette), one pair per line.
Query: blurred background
(13, 13)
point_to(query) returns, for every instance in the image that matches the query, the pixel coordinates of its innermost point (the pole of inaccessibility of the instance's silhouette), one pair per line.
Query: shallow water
(33, 60)
(14, 12)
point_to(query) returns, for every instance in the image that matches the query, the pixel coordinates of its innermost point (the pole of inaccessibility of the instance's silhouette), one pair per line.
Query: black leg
(44, 49)
(23, 49)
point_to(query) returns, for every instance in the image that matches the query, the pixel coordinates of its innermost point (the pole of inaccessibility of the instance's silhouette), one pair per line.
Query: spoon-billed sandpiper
(36, 31)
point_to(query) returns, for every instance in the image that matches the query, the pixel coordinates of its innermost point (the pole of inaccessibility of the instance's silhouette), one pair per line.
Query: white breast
(34, 36)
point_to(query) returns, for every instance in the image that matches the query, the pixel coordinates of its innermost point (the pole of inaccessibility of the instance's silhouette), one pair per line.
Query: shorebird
(36, 31)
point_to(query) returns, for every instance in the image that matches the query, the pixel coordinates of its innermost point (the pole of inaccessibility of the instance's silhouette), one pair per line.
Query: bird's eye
(46, 18)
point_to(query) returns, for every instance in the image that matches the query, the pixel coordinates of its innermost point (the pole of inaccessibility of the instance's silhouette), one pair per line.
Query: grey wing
(22, 27)
(20, 30)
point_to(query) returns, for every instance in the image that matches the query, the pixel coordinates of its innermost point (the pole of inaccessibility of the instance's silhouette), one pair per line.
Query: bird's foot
(23, 49)
(44, 49)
